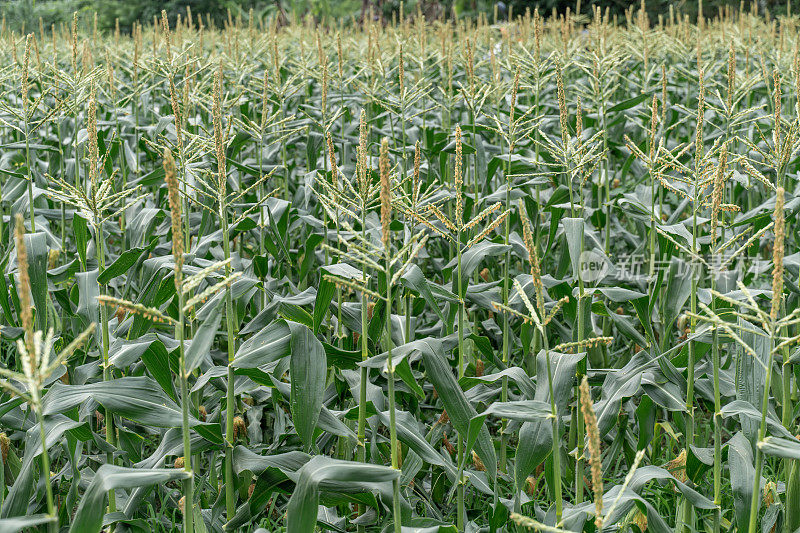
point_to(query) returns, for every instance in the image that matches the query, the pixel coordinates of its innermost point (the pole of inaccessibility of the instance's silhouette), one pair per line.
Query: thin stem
(45, 458)
(505, 294)
(390, 375)
(556, 434)
(362, 393)
(230, 480)
(110, 432)
(715, 360)
(762, 430)
(28, 167)
(462, 513)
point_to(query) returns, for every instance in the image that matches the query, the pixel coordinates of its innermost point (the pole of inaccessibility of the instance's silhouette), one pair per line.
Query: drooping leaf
(89, 516)
(322, 473)
(456, 404)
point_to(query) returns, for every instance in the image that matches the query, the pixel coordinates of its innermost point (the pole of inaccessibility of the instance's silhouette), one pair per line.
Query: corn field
(402, 276)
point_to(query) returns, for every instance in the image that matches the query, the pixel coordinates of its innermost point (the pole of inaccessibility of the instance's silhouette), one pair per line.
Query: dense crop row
(449, 276)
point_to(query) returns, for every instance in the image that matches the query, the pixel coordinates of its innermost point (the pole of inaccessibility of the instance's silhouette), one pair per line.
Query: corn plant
(433, 272)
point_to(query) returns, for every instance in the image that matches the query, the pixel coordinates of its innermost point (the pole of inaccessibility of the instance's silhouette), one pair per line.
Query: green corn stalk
(222, 200)
(177, 251)
(537, 316)
(26, 117)
(363, 193)
(690, 429)
(777, 295)
(386, 209)
(100, 252)
(459, 181)
(715, 357)
(506, 264)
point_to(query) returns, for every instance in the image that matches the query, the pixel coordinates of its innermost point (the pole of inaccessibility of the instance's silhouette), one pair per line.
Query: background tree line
(21, 14)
